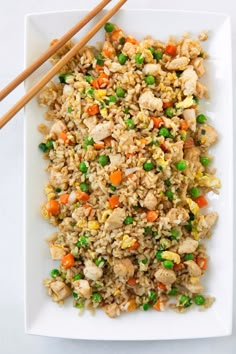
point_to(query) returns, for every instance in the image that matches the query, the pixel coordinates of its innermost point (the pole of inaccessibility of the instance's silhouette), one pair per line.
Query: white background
(12, 336)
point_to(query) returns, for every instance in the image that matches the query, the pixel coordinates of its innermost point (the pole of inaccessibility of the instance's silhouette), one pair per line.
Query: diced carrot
(135, 246)
(131, 40)
(63, 136)
(143, 141)
(183, 124)
(171, 49)
(99, 67)
(107, 141)
(131, 281)
(163, 147)
(161, 286)
(202, 262)
(129, 154)
(130, 175)
(95, 84)
(82, 196)
(114, 201)
(159, 305)
(201, 201)
(132, 305)
(93, 109)
(178, 267)
(167, 104)
(88, 209)
(106, 53)
(53, 207)
(189, 143)
(116, 35)
(64, 198)
(116, 177)
(103, 80)
(68, 261)
(151, 215)
(99, 146)
(157, 121)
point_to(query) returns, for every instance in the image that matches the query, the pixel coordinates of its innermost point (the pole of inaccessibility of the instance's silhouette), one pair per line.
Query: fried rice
(129, 170)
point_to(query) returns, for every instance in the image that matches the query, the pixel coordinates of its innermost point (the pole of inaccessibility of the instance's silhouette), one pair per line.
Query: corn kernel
(192, 206)
(93, 225)
(127, 242)
(99, 94)
(103, 112)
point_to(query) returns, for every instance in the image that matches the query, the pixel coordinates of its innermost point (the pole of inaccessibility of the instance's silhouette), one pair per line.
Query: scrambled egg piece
(127, 242)
(49, 191)
(209, 181)
(103, 112)
(99, 94)
(93, 225)
(171, 256)
(187, 102)
(192, 206)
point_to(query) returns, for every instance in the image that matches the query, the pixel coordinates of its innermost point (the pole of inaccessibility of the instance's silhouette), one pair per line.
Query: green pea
(205, 161)
(136, 207)
(203, 131)
(195, 192)
(122, 58)
(185, 301)
(201, 119)
(169, 194)
(199, 300)
(78, 276)
(181, 165)
(113, 188)
(103, 160)
(174, 233)
(168, 264)
(43, 147)
(148, 166)
(196, 100)
(90, 91)
(152, 295)
(83, 168)
(164, 132)
(83, 241)
(122, 40)
(151, 50)
(99, 261)
(191, 216)
(126, 110)
(139, 59)
(49, 144)
(147, 230)
(109, 27)
(100, 59)
(88, 140)
(54, 273)
(173, 292)
(120, 92)
(57, 190)
(130, 124)
(146, 307)
(167, 182)
(154, 233)
(88, 78)
(170, 111)
(79, 305)
(128, 220)
(159, 255)
(96, 297)
(112, 99)
(188, 226)
(84, 187)
(69, 109)
(75, 295)
(144, 261)
(63, 77)
(178, 73)
(150, 80)
(188, 257)
(158, 55)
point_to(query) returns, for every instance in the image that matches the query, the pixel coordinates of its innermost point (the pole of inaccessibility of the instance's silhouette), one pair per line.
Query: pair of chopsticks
(64, 60)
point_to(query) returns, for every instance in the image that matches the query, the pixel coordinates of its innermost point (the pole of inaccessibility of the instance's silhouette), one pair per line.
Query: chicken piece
(47, 97)
(82, 288)
(123, 268)
(115, 160)
(91, 271)
(107, 46)
(149, 180)
(203, 36)
(165, 276)
(60, 290)
(190, 48)
(190, 117)
(57, 128)
(205, 223)
(152, 69)
(195, 288)
(207, 135)
(90, 122)
(188, 81)
(112, 310)
(58, 180)
(188, 246)
(57, 251)
(150, 201)
(192, 155)
(198, 64)
(147, 100)
(201, 90)
(178, 64)
(117, 68)
(193, 269)
(176, 150)
(101, 131)
(126, 139)
(116, 219)
(129, 49)
(78, 213)
(177, 216)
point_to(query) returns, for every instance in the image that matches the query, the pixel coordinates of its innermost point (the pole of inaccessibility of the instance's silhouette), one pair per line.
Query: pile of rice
(129, 170)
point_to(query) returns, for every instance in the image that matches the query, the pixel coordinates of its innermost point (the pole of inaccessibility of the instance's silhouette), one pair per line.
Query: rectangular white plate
(42, 316)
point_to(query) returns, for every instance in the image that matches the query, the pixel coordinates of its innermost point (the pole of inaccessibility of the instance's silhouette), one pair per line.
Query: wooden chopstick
(51, 50)
(56, 68)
